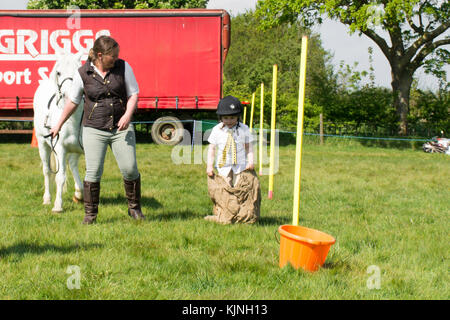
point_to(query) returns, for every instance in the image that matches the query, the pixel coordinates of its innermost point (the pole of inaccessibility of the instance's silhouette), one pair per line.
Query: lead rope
(53, 151)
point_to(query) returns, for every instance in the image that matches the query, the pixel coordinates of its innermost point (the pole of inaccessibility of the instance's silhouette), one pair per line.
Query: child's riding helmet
(229, 106)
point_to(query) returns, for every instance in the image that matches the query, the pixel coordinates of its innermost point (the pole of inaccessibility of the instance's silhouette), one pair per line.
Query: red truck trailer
(177, 57)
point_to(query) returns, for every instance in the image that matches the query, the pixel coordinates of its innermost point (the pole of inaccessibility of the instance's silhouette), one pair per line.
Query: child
(235, 191)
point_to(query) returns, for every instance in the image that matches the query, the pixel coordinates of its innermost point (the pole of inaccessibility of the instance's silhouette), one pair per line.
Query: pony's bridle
(60, 94)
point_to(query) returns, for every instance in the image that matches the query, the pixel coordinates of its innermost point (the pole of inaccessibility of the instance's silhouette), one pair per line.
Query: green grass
(385, 207)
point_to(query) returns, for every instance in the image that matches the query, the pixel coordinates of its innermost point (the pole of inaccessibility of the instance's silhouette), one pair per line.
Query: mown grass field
(386, 208)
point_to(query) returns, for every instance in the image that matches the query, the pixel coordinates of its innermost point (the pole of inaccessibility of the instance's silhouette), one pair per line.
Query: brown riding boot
(91, 195)
(133, 193)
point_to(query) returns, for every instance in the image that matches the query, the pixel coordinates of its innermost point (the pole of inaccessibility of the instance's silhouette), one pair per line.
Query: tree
(429, 111)
(117, 4)
(416, 31)
(252, 56)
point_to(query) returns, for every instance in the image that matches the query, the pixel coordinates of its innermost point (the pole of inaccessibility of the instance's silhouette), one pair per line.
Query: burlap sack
(238, 204)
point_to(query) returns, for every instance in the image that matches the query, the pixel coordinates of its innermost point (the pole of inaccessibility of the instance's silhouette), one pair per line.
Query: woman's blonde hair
(104, 45)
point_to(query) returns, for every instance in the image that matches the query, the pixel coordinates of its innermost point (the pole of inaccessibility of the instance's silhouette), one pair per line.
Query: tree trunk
(401, 86)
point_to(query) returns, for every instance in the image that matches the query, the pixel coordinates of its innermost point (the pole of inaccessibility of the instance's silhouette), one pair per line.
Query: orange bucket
(303, 247)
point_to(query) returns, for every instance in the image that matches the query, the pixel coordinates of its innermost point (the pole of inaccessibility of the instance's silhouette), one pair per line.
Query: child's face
(229, 121)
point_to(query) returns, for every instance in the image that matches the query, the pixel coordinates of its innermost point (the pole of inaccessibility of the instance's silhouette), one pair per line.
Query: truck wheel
(167, 130)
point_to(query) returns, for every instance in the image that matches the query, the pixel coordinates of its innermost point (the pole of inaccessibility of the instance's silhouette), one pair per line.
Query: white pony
(48, 103)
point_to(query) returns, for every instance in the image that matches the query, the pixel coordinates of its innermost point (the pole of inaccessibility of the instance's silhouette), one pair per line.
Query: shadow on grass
(146, 202)
(273, 221)
(180, 215)
(151, 217)
(337, 265)
(23, 248)
(392, 144)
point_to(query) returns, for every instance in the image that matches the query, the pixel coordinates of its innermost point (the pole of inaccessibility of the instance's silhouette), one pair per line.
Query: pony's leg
(73, 164)
(44, 153)
(60, 178)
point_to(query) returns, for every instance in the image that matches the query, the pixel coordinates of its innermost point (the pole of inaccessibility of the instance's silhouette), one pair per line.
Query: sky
(335, 39)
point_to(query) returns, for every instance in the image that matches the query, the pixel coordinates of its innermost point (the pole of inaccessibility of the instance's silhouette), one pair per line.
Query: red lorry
(176, 55)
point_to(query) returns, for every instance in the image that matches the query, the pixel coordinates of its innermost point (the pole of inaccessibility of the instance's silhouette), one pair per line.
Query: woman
(111, 94)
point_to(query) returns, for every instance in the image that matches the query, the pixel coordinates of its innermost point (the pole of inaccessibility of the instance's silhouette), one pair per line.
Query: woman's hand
(54, 131)
(250, 166)
(124, 122)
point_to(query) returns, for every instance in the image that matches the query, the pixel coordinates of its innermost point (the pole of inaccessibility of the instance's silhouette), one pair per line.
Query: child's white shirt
(241, 136)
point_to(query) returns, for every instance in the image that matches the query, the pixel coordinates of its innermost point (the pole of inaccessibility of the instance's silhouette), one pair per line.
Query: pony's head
(62, 74)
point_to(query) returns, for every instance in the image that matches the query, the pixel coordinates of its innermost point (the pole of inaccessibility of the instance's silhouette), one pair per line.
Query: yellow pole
(252, 110)
(245, 114)
(298, 149)
(272, 130)
(261, 120)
